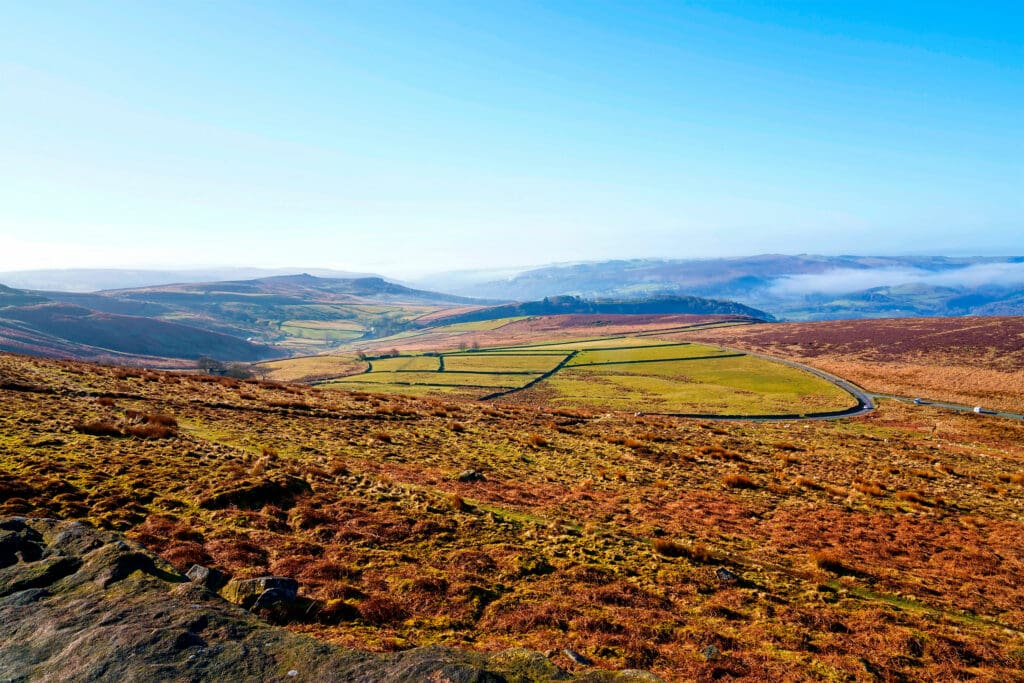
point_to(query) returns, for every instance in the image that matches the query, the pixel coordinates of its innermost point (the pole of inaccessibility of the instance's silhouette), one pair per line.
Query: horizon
(419, 139)
(946, 272)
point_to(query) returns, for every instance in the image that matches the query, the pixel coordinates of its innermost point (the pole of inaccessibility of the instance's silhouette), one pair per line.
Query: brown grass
(697, 552)
(98, 428)
(559, 545)
(829, 560)
(738, 481)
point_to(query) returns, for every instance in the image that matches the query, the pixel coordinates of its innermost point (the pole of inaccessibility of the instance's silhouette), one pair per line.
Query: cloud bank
(846, 280)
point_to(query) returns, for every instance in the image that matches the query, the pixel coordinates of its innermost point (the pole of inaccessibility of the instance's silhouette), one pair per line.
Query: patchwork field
(630, 373)
(334, 330)
(883, 547)
(543, 330)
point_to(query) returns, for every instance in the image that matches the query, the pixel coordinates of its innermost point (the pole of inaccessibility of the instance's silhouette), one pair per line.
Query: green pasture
(404, 364)
(628, 373)
(485, 362)
(652, 352)
(324, 331)
(452, 379)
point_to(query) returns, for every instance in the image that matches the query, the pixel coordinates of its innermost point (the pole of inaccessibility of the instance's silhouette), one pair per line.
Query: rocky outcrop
(77, 604)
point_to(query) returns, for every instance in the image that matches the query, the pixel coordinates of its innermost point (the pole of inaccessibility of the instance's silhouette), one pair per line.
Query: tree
(238, 371)
(210, 366)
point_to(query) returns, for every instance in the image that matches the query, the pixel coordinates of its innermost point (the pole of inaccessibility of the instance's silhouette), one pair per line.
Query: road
(959, 407)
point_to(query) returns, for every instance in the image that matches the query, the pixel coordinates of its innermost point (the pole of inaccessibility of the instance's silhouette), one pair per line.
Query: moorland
(883, 546)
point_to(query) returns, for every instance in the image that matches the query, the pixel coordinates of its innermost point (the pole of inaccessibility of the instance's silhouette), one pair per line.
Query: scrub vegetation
(880, 547)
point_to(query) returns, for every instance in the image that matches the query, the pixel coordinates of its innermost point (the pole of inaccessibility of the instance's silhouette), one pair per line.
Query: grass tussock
(829, 560)
(98, 428)
(739, 481)
(696, 552)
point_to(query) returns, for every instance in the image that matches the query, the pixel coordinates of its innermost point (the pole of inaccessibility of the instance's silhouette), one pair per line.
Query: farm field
(382, 380)
(440, 336)
(879, 547)
(519, 335)
(310, 368)
(628, 373)
(699, 379)
(547, 330)
(963, 360)
(503, 362)
(334, 330)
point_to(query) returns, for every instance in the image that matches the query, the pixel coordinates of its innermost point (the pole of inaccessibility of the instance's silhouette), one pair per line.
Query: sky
(410, 137)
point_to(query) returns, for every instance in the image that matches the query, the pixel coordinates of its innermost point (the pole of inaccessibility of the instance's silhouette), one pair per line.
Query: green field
(652, 352)
(471, 379)
(483, 362)
(614, 373)
(404, 364)
(443, 334)
(323, 330)
(727, 385)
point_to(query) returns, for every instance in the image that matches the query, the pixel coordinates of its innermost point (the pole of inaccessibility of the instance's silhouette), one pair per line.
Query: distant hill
(572, 305)
(17, 297)
(290, 289)
(96, 279)
(132, 334)
(237, 320)
(803, 287)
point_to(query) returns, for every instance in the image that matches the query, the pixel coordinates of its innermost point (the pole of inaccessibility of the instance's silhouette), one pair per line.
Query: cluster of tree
(212, 366)
(568, 305)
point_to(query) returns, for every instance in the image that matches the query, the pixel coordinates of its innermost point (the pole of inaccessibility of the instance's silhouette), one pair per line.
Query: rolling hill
(66, 331)
(802, 287)
(271, 317)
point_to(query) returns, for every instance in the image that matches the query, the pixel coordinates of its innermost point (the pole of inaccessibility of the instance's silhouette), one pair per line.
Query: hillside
(238, 321)
(289, 289)
(130, 334)
(884, 546)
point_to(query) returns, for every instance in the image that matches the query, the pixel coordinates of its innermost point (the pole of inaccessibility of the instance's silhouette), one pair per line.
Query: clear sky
(402, 137)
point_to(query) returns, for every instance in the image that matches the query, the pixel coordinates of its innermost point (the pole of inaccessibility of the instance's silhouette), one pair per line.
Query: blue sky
(408, 137)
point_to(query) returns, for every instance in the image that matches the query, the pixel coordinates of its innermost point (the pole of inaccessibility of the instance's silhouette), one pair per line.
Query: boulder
(211, 579)
(266, 590)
